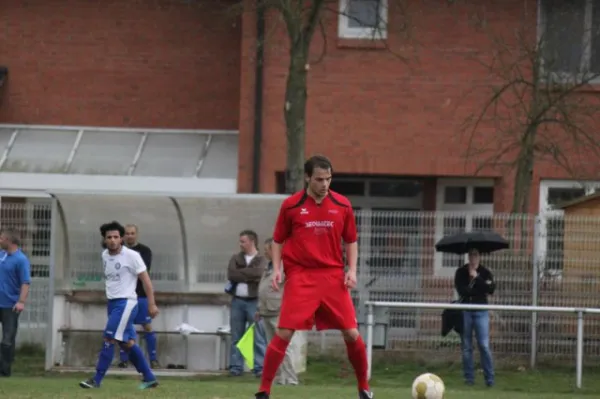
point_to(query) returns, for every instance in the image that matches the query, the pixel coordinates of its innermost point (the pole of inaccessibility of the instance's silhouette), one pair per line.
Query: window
(395, 189)
(455, 195)
(363, 19)
(570, 38)
(559, 195)
(464, 205)
(554, 193)
(348, 187)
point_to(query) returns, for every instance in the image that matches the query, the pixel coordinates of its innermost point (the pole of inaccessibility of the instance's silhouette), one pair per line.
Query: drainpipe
(258, 97)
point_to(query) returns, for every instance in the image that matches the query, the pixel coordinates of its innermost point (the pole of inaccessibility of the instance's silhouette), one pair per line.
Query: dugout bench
(222, 343)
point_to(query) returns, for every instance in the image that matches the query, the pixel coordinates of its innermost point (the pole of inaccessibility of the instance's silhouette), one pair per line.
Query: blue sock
(151, 345)
(123, 355)
(104, 360)
(137, 358)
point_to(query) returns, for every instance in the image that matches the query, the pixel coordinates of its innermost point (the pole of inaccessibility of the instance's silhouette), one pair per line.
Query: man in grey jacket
(269, 304)
(244, 273)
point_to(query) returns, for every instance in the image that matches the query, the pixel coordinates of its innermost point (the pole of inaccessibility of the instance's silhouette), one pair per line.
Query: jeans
(479, 322)
(240, 318)
(10, 323)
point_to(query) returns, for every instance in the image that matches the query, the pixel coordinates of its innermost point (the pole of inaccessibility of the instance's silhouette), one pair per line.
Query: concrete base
(132, 372)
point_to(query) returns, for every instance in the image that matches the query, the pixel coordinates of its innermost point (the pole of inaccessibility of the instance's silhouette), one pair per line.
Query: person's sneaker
(89, 384)
(261, 395)
(148, 384)
(122, 365)
(154, 364)
(365, 395)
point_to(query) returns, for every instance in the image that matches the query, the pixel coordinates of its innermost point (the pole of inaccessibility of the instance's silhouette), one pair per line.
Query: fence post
(579, 366)
(535, 262)
(369, 339)
(50, 332)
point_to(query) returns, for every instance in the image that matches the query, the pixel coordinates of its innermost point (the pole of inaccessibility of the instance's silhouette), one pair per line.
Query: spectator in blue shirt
(14, 287)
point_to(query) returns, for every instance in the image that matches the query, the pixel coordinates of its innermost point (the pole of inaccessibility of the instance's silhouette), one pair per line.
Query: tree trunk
(295, 117)
(524, 173)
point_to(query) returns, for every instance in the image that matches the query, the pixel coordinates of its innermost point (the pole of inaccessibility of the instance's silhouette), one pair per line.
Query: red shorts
(316, 297)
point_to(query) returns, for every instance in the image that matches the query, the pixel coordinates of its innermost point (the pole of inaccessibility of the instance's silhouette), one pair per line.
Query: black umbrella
(462, 243)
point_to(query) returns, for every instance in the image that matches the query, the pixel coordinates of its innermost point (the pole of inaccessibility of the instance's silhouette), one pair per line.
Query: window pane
(564, 28)
(595, 50)
(455, 195)
(363, 13)
(453, 225)
(483, 195)
(348, 187)
(402, 189)
(558, 196)
(555, 243)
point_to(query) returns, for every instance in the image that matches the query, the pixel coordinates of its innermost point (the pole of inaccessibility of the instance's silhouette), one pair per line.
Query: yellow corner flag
(246, 346)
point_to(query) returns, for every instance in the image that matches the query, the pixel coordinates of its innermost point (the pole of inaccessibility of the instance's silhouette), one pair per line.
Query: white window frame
(469, 210)
(546, 212)
(587, 43)
(347, 32)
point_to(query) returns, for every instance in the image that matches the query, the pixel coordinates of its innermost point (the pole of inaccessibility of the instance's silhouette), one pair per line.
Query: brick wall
(373, 112)
(121, 63)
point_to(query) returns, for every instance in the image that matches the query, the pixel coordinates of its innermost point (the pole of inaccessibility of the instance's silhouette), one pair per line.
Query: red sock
(357, 354)
(273, 359)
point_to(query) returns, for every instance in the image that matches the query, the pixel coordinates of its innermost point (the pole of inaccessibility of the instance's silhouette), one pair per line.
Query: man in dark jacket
(142, 318)
(244, 274)
(474, 283)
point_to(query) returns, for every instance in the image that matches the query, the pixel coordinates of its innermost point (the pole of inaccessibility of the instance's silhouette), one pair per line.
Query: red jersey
(312, 233)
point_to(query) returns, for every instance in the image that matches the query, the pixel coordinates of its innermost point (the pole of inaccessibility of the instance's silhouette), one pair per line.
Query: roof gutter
(258, 97)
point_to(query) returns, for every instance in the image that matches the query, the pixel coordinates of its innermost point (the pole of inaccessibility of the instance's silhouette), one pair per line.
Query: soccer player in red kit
(308, 240)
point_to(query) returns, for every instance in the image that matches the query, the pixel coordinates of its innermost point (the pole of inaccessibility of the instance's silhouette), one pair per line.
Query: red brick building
(391, 126)
(160, 96)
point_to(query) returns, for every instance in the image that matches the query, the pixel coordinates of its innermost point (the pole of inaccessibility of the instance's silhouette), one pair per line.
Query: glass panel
(348, 187)
(455, 195)
(559, 196)
(595, 45)
(33, 151)
(453, 225)
(402, 189)
(483, 195)
(363, 13)
(105, 153)
(563, 48)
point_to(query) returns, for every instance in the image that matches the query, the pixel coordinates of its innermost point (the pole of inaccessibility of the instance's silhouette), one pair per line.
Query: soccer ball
(428, 386)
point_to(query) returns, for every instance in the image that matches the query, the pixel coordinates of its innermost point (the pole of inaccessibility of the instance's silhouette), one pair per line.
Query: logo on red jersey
(320, 223)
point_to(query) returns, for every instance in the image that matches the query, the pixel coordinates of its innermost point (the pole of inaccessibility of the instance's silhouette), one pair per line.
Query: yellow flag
(246, 346)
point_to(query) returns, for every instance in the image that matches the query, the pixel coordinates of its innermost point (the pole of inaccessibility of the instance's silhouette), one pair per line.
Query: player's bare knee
(285, 334)
(350, 335)
(147, 327)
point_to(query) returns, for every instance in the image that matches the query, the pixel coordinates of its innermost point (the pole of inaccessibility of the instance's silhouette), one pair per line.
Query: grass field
(325, 380)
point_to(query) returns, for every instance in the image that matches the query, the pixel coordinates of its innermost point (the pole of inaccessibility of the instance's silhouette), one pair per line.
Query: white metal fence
(533, 310)
(552, 262)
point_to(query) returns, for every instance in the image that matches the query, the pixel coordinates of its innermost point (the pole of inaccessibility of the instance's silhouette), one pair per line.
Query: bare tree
(302, 19)
(538, 109)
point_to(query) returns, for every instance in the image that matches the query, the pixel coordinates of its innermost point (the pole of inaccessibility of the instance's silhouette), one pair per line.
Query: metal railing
(531, 309)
